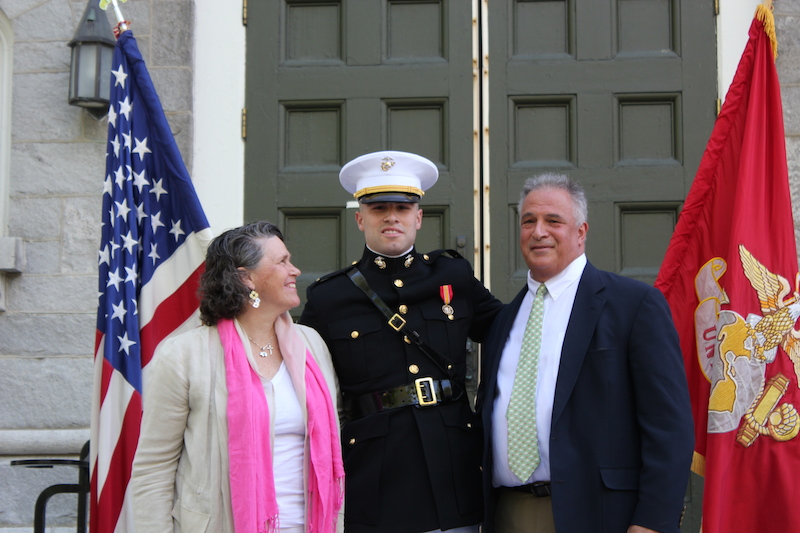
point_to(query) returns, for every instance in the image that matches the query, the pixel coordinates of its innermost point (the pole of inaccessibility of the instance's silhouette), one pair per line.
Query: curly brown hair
(222, 292)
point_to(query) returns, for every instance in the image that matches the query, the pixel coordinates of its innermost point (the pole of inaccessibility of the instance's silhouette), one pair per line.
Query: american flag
(151, 256)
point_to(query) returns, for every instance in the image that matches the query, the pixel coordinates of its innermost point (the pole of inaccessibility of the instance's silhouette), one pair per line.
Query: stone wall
(787, 27)
(47, 331)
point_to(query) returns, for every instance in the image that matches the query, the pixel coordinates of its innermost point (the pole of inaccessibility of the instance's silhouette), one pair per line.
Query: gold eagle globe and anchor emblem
(776, 328)
(387, 163)
(757, 339)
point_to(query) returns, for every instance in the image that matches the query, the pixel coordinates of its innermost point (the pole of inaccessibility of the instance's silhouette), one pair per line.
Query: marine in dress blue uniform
(411, 445)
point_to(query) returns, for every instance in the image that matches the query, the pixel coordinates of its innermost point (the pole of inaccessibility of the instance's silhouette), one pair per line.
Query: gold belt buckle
(397, 319)
(426, 393)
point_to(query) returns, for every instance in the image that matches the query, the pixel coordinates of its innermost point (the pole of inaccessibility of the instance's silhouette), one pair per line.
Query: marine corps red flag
(730, 276)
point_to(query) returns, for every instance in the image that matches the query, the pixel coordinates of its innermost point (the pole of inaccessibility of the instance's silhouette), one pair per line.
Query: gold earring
(255, 301)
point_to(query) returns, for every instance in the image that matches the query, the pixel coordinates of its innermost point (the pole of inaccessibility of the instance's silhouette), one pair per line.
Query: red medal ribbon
(446, 292)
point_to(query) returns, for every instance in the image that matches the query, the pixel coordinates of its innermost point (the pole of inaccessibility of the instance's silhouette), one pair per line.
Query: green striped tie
(523, 444)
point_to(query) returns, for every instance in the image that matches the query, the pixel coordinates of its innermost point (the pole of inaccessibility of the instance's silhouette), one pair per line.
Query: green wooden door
(619, 94)
(329, 81)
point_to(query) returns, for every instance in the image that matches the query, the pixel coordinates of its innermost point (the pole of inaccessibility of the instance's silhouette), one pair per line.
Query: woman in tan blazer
(239, 431)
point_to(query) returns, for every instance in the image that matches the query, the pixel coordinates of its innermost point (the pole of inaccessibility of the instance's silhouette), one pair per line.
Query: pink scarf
(255, 507)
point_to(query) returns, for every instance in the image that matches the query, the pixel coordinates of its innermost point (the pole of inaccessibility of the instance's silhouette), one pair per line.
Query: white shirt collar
(392, 256)
(558, 283)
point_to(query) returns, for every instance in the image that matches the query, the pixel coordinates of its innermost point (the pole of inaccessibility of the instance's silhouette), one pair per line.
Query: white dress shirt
(558, 302)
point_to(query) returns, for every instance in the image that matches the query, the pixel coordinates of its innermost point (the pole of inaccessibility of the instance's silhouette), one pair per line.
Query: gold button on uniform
(398, 283)
(426, 257)
(414, 369)
(469, 425)
(405, 338)
(403, 309)
(352, 441)
(354, 335)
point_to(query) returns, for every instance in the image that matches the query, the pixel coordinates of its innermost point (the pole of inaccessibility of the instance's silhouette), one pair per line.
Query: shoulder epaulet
(333, 274)
(430, 257)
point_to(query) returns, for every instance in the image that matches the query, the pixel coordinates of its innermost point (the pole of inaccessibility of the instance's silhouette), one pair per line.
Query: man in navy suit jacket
(613, 418)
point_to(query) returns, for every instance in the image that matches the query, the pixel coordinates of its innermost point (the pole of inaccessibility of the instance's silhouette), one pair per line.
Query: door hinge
(244, 123)
(244, 12)
(719, 106)
(716, 6)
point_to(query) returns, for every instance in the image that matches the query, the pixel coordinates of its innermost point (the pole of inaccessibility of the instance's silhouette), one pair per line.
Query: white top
(558, 303)
(288, 449)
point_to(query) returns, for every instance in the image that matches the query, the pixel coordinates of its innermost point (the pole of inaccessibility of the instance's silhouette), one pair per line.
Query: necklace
(263, 352)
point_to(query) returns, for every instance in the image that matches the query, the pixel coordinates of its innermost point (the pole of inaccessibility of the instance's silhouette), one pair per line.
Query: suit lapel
(582, 323)
(494, 350)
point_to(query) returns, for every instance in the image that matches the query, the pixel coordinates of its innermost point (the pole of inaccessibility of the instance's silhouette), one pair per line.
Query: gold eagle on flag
(776, 327)
(757, 338)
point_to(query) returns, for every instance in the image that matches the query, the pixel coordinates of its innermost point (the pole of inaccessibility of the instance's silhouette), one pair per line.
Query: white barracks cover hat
(388, 176)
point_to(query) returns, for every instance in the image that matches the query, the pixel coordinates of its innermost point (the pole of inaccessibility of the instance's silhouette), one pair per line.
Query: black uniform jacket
(408, 469)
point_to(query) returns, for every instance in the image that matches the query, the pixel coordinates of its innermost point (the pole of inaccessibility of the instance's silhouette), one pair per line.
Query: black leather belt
(540, 489)
(424, 392)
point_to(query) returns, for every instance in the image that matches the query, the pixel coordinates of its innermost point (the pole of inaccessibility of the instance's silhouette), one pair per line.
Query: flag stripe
(119, 395)
(112, 493)
(172, 274)
(171, 314)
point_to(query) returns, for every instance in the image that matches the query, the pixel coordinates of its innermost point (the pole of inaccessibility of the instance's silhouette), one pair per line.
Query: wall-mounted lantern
(90, 67)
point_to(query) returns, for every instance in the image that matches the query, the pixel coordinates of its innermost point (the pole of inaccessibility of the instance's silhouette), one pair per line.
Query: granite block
(24, 334)
(52, 294)
(45, 392)
(57, 169)
(35, 218)
(172, 34)
(39, 108)
(40, 56)
(42, 257)
(48, 21)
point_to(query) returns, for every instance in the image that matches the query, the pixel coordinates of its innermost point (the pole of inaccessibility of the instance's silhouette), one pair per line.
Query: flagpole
(123, 26)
